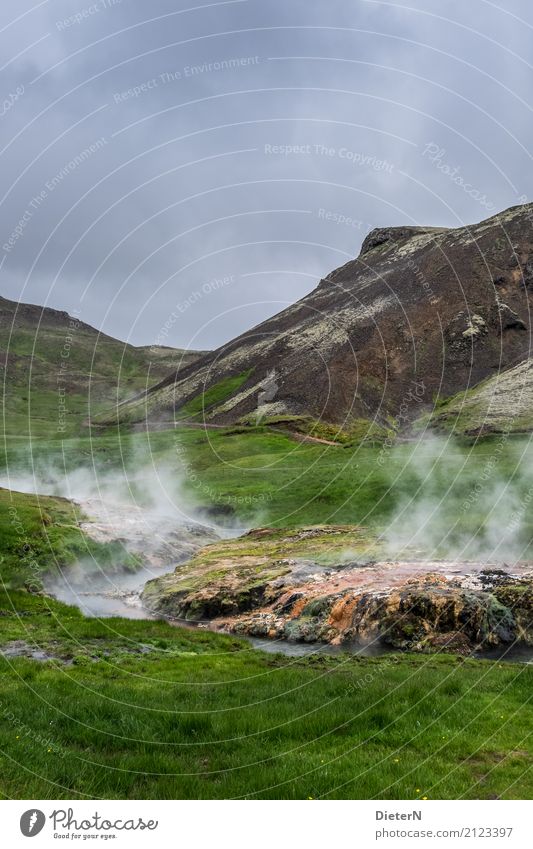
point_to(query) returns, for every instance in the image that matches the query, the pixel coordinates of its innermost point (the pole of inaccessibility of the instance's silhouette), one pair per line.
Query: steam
(447, 500)
(157, 489)
(152, 485)
(139, 507)
(461, 502)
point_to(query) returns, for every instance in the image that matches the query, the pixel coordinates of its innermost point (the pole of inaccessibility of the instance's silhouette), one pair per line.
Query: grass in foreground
(145, 710)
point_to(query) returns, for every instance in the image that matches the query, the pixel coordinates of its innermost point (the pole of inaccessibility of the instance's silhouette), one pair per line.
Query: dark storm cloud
(214, 160)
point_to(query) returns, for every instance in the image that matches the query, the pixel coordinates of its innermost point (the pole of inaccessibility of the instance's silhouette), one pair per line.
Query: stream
(162, 539)
(119, 595)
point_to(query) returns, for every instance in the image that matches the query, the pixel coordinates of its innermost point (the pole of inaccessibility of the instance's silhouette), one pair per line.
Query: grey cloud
(398, 116)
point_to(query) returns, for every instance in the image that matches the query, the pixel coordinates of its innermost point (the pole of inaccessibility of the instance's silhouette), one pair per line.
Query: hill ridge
(447, 307)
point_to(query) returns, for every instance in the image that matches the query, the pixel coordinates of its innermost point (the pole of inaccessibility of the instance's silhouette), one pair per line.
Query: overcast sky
(151, 148)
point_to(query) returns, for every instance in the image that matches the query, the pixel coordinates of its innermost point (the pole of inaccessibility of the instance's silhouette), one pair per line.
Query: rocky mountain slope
(500, 404)
(56, 370)
(421, 314)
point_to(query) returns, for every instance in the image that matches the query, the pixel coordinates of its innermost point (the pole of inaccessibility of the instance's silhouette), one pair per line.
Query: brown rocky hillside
(422, 312)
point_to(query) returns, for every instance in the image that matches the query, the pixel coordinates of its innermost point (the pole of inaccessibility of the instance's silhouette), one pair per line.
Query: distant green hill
(58, 371)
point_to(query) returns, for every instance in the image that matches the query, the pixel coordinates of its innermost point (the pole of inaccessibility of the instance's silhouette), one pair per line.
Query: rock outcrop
(322, 585)
(394, 235)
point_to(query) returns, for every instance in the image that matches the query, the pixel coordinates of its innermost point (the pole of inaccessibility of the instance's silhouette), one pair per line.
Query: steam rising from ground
(157, 490)
(448, 506)
(443, 501)
(142, 505)
(129, 476)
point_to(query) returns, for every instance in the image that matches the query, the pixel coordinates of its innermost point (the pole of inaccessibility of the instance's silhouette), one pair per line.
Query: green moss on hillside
(201, 405)
(500, 404)
(352, 432)
(58, 372)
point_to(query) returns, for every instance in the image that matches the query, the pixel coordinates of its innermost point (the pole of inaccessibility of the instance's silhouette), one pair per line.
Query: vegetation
(354, 432)
(463, 496)
(204, 402)
(40, 536)
(128, 709)
(120, 708)
(500, 404)
(58, 371)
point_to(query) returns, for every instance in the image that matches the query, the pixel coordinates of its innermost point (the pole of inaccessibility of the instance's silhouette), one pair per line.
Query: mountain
(57, 370)
(421, 314)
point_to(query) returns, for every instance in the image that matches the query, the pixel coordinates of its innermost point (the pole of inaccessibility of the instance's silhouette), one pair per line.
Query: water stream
(162, 539)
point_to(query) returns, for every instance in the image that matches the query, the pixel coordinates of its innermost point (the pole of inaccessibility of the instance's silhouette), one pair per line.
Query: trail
(305, 438)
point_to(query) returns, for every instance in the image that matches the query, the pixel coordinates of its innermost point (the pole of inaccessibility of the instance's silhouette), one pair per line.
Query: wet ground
(160, 540)
(163, 540)
(513, 653)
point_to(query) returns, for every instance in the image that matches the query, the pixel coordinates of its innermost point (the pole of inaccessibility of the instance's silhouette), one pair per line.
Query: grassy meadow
(117, 708)
(129, 709)
(439, 494)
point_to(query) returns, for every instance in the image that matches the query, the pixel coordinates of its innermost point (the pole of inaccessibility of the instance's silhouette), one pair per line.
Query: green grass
(59, 371)
(40, 537)
(455, 490)
(203, 403)
(354, 432)
(502, 403)
(457, 414)
(143, 710)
